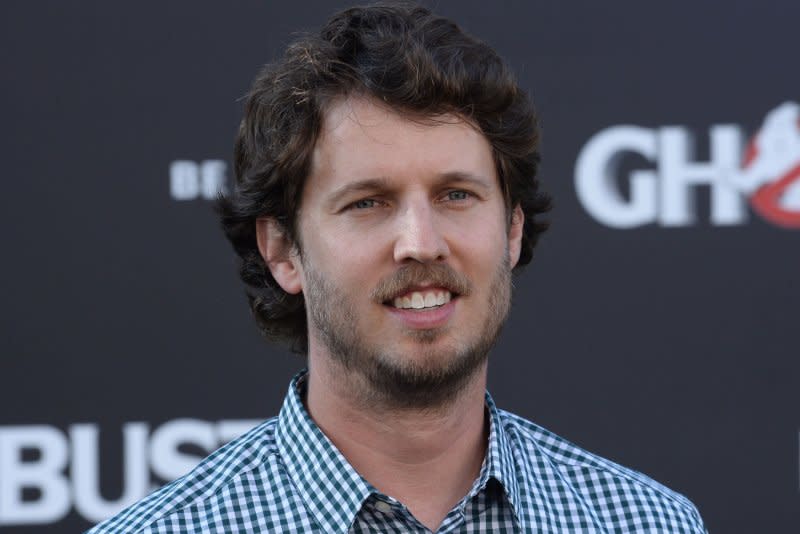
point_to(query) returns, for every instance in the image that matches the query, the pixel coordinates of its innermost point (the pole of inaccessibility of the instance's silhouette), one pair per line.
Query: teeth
(418, 300)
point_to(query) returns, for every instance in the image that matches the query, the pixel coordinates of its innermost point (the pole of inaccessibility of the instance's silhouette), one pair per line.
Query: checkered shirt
(286, 476)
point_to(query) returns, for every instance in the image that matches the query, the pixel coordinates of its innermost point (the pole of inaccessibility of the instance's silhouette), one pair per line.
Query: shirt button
(383, 507)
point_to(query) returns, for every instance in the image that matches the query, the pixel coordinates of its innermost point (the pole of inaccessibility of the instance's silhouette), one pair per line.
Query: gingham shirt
(286, 476)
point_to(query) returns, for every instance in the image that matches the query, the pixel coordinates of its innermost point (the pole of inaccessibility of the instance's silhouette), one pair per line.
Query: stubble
(378, 376)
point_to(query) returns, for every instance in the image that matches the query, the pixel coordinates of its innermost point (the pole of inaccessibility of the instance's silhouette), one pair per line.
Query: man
(385, 192)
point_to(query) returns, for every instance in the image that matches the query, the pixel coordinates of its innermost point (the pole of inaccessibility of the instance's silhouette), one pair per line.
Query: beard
(378, 376)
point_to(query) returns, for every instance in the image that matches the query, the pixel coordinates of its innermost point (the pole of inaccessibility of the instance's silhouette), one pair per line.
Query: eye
(363, 204)
(458, 195)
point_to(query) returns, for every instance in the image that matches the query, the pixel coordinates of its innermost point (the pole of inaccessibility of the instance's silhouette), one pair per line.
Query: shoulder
(613, 496)
(228, 470)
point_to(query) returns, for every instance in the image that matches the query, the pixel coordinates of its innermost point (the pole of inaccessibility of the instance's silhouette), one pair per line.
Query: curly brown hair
(417, 63)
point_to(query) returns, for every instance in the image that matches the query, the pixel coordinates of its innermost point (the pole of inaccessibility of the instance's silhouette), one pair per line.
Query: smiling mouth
(422, 300)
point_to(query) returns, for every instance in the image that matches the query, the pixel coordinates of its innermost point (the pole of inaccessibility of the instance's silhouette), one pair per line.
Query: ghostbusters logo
(760, 176)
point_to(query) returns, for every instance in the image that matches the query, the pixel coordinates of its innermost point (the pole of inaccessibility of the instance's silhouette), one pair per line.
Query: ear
(515, 235)
(279, 255)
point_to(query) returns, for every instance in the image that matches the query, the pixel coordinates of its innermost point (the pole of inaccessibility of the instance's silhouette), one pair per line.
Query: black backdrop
(670, 348)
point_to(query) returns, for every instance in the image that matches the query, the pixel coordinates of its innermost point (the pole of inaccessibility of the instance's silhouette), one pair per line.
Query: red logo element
(772, 167)
(766, 201)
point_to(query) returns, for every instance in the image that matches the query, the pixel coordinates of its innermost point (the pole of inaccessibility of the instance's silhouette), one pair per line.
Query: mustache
(414, 274)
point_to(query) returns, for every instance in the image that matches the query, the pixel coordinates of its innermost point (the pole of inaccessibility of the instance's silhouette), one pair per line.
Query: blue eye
(364, 203)
(457, 195)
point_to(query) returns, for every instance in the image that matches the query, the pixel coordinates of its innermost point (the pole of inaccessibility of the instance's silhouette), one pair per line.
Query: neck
(427, 458)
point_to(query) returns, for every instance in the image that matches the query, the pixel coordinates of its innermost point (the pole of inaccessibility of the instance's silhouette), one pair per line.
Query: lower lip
(424, 319)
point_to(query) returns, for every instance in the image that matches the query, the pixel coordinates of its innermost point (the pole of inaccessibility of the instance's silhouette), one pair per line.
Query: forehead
(362, 138)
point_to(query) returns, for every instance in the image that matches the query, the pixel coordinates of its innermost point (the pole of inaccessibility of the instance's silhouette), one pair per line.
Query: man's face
(406, 251)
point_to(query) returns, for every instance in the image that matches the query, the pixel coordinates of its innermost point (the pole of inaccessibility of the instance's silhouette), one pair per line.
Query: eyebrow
(479, 181)
(360, 186)
(374, 184)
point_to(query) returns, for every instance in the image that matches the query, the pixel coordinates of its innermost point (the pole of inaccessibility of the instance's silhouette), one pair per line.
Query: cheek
(349, 265)
(480, 244)
(355, 245)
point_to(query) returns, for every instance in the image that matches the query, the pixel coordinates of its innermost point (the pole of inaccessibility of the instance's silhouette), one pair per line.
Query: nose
(419, 236)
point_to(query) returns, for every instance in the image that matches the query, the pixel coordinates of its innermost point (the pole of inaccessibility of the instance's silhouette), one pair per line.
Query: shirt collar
(500, 458)
(329, 486)
(334, 492)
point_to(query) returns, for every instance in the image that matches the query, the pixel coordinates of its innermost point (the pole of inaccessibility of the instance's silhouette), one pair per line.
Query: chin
(426, 379)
